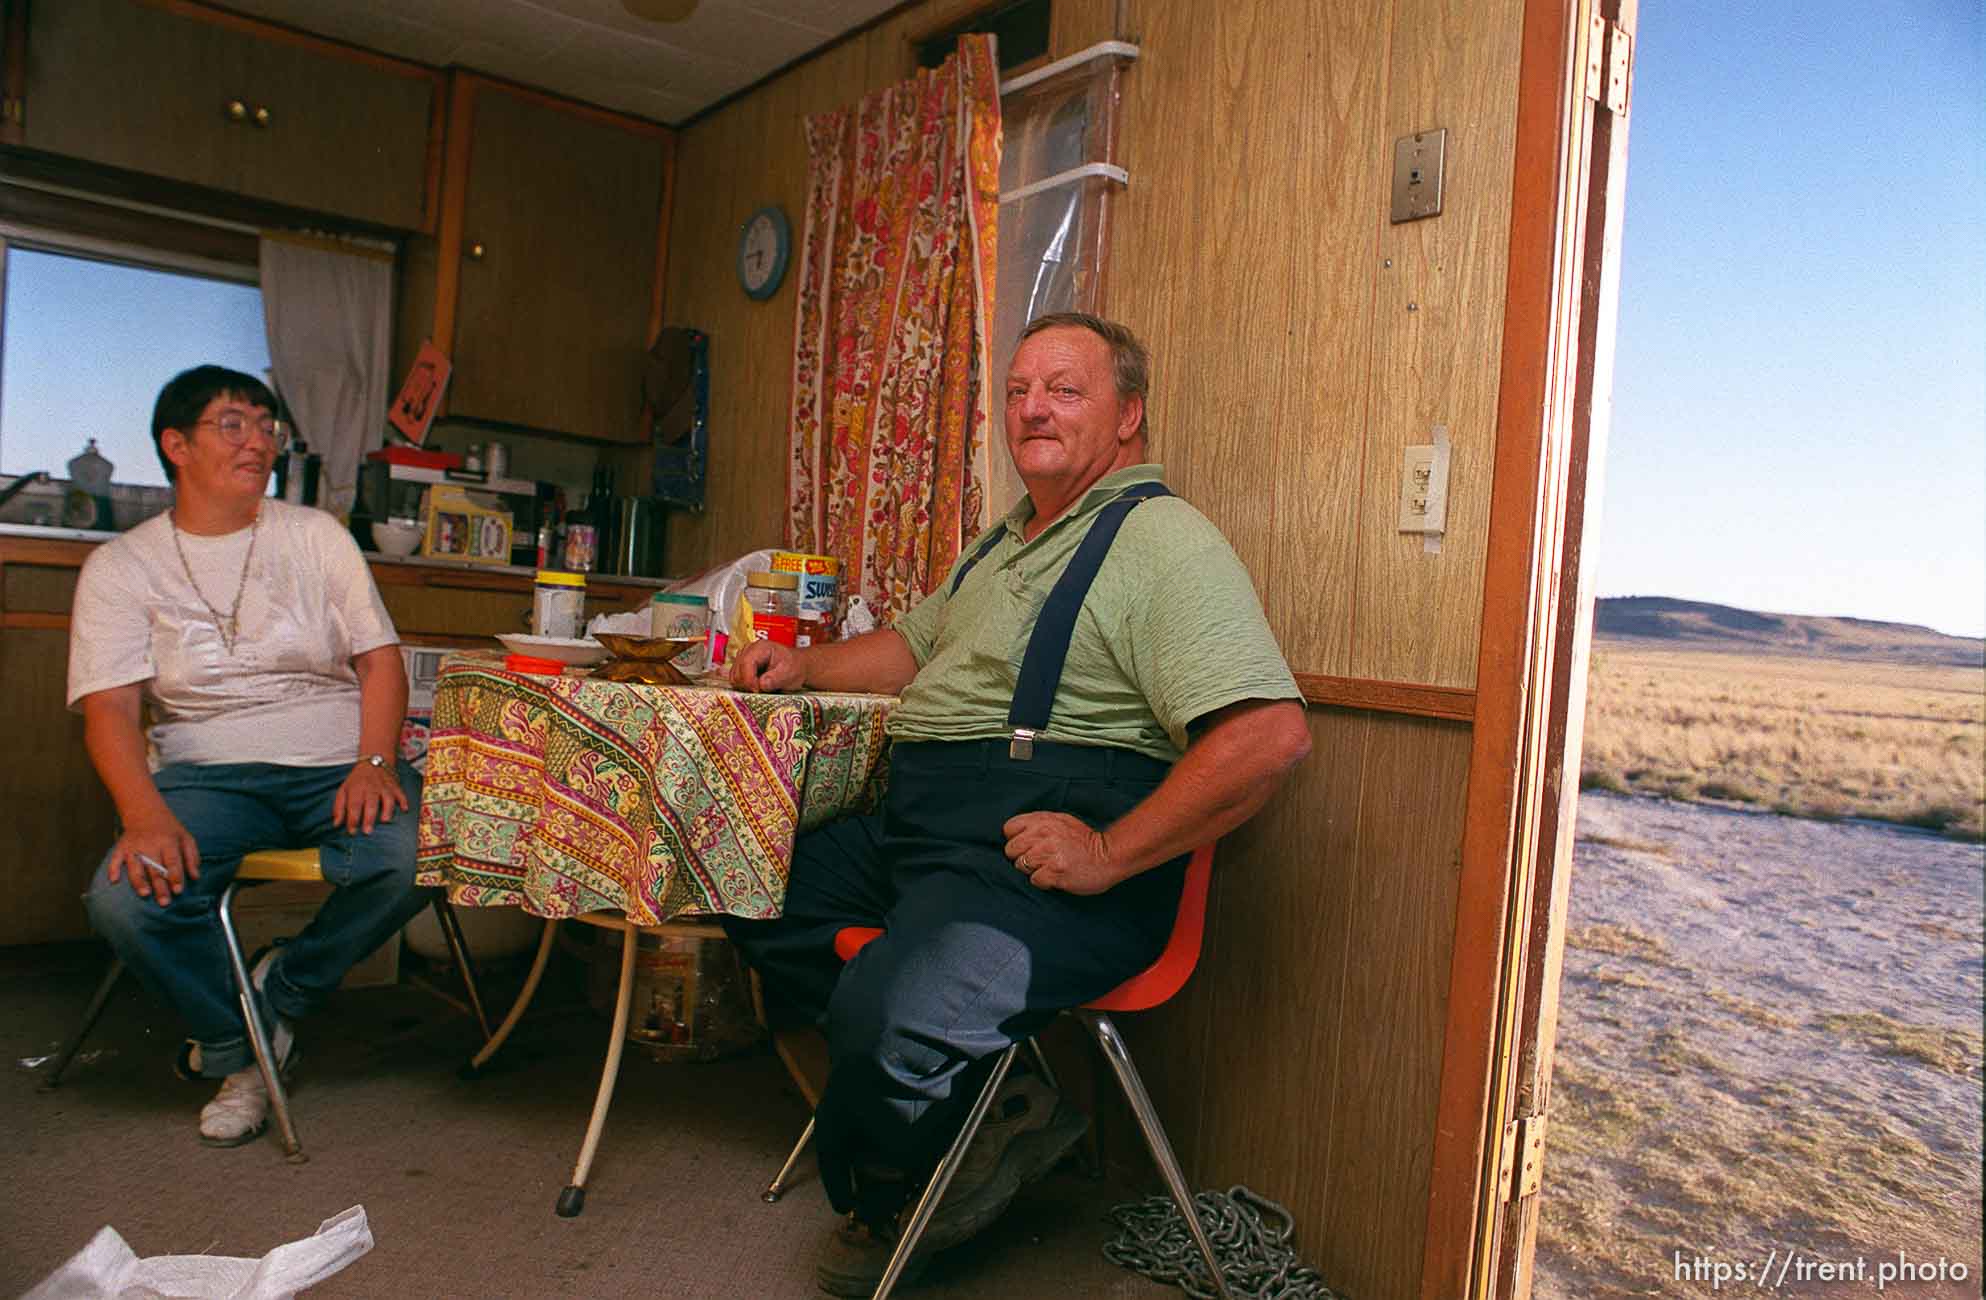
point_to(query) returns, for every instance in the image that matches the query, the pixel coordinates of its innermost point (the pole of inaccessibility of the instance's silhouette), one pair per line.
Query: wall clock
(764, 242)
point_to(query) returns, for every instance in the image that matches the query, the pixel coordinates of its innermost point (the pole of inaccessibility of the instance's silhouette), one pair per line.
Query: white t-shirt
(287, 693)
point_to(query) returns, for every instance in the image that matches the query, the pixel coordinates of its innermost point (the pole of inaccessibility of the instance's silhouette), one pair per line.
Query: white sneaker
(239, 1111)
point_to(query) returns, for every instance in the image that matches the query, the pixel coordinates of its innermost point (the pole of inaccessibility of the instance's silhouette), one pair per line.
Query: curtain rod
(1101, 50)
(1108, 171)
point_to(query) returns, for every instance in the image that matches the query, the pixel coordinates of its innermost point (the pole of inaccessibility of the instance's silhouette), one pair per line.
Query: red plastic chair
(1154, 985)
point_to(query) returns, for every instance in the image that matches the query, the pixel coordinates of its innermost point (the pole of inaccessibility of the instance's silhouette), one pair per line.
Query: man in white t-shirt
(253, 630)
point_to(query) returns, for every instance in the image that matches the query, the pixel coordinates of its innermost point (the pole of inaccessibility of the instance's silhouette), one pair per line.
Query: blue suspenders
(1048, 644)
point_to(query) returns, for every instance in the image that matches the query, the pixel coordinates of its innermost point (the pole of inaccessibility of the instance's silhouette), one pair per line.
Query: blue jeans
(973, 957)
(231, 809)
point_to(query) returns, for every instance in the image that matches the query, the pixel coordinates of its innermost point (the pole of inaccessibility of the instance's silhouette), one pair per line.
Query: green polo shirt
(1171, 630)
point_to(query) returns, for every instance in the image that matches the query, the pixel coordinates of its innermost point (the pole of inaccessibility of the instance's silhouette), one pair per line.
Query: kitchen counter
(52, 533)
(431, 601)
(513, 570)
(88, 537)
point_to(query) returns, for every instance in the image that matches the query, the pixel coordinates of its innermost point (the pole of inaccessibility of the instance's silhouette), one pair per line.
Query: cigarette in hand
(155, 865)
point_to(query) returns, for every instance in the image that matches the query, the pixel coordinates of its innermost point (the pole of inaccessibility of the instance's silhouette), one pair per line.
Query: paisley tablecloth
(570, 794)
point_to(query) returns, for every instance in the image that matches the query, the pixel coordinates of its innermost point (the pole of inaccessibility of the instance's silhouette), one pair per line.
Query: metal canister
(558, 604)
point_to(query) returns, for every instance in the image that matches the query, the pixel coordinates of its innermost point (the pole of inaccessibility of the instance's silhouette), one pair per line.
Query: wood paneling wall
(1299, 341)
(1305, 1058)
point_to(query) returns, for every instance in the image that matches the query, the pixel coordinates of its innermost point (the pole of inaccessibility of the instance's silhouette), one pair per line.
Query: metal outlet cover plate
(1417, 168)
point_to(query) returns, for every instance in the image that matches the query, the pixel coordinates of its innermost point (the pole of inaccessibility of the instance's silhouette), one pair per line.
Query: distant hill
(1696, 625)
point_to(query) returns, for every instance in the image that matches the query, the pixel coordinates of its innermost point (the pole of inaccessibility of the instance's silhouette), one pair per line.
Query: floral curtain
(892, 401)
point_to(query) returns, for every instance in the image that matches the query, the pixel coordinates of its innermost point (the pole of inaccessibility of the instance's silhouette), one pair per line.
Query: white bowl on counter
(397, 537)
(577, 651)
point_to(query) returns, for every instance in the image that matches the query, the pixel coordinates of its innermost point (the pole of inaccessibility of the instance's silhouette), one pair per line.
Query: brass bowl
(644, 658)
(646, 649)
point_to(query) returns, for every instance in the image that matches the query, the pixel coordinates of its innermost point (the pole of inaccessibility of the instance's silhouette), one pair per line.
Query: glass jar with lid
(775, 603)
(558, 604)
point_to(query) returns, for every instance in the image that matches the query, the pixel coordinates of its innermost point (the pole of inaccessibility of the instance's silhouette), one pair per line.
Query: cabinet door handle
(476, 252)
(235, 110)
(261, 115)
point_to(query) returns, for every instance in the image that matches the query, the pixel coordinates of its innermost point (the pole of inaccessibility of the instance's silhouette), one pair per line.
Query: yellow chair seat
(281, 864)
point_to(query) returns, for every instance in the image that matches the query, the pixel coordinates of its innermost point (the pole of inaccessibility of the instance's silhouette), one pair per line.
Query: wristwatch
(373, 760)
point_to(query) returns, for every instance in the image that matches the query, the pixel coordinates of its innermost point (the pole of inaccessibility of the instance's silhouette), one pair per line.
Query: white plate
(583, 650)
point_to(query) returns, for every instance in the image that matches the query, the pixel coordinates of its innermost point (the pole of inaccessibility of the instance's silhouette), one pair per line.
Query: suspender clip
(1021, 747)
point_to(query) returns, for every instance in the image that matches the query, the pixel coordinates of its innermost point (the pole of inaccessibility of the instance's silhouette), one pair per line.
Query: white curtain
(329, 309)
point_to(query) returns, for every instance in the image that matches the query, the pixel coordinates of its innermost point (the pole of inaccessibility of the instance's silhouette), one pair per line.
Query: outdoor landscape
(1769, 1048)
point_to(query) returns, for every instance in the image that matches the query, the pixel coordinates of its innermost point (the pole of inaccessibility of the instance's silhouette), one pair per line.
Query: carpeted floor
(458, 1178)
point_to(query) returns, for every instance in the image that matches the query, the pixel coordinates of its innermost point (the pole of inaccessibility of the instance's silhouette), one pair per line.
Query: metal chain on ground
(1250, 1234)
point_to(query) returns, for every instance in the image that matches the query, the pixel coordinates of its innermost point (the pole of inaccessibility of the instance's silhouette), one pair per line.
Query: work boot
(857, 1255)
(1025, 1134)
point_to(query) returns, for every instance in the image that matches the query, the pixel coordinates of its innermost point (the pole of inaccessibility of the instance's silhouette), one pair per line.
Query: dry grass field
(1768, 1049)
(1815, 737)
(1769, 1043)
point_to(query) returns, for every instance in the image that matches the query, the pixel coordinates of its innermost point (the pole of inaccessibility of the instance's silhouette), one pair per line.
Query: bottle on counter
(600, 513)
(582, 541)
(297, 471)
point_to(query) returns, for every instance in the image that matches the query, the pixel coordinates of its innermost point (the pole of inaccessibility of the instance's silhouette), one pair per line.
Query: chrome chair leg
(1041, 1066)
(517, 1008)
(451, 930)
(90, 1017)
(573, 1199)
(941, 1177)
(777, 1187)
(1119, 1056)
(258, 1038)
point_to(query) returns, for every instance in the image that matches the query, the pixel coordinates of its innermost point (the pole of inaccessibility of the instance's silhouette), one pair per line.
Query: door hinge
(1609, 64)
(1522, 1158)
(13, 110)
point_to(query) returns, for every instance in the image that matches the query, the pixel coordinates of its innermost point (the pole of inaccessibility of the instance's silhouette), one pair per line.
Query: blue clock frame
(759, 279)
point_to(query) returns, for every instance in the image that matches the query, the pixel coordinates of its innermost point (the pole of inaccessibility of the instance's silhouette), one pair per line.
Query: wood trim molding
(59, 552)
(565, 104)
(31, 618)
(1458, 1181)
(59, 213)
(14, 70)
(438, 104)
(454, 200)
(1449, 702)
(655, 302)
(270, 30)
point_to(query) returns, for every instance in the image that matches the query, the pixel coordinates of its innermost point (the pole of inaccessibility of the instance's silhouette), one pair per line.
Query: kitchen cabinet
(464, 606)
(212, 99)
(543, 283)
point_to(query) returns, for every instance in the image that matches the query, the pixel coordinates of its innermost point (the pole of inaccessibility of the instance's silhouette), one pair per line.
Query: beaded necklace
(226, 624)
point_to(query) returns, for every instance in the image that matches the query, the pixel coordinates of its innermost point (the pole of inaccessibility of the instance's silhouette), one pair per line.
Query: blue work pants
(973, 956)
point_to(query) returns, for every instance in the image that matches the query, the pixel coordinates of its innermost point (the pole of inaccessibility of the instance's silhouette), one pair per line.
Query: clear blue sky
(1800, 386)
(78, 371)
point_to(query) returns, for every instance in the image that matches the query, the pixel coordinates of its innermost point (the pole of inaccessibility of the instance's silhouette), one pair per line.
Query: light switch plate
(1423, 489)
(1417, 167)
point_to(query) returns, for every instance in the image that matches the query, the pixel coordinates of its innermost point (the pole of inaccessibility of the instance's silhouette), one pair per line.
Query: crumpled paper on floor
(108, 1269)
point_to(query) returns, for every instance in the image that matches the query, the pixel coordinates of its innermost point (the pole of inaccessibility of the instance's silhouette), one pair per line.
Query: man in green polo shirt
(1030, 852)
